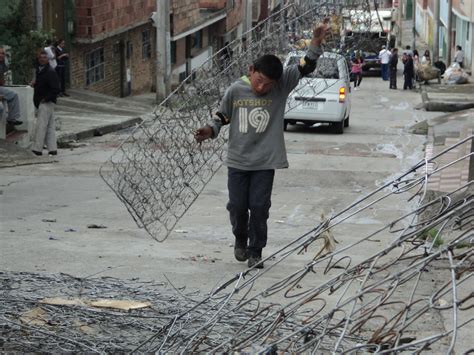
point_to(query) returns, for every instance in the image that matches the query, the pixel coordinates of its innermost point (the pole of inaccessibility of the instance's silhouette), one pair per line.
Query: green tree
(17, 30)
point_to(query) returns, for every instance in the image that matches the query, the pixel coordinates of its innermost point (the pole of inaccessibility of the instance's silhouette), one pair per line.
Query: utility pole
(449, 31)
(413, 43)
(400, 22)
(436, 31)
(39, 14)
(161, 20)
(248, 17)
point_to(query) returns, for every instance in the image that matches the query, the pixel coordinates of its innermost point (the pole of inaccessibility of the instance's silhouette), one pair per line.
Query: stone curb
(65, 138)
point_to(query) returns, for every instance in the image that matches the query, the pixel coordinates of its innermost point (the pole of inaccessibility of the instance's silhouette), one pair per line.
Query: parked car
(324, 96)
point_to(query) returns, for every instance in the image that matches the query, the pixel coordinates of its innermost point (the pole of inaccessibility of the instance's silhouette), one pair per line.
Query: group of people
(48, 84)
(58, 58)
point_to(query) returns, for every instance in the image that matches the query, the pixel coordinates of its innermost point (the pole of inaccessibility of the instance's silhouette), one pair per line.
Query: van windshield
(325, 69)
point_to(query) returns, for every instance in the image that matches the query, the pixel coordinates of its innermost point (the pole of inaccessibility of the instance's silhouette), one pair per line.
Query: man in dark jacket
(47, 90)
(408, 73)
(392, 66)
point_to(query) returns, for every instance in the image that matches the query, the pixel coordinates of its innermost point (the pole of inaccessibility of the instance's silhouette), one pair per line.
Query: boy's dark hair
(269, 65)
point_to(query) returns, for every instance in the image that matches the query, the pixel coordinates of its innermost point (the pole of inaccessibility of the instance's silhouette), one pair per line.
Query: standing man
(459, 56)
(46, 92)
(408, 73)
(253, 107)
(384, 56)
(61, 59)
(392, 66)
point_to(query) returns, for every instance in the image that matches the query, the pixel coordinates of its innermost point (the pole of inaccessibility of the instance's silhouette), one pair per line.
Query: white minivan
(323, 96)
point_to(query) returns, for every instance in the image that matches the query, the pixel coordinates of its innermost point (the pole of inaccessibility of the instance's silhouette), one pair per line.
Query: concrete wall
(27, 113)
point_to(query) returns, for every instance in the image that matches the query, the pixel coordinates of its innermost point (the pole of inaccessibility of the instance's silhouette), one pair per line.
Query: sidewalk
(447, 98)
(85, 114)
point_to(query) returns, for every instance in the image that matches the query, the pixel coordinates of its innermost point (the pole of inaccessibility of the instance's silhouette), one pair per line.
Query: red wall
(94, 17)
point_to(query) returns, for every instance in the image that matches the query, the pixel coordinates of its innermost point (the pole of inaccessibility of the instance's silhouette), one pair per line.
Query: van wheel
(339, 127)
(346, 122)
(285, 125)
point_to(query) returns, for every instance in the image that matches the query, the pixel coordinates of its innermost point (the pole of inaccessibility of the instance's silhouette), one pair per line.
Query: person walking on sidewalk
(384, 56)
(356, 70)
(392, 66)
(408, 73)
(46, 91)
(10, 96)
(61, 59)
(253, 106)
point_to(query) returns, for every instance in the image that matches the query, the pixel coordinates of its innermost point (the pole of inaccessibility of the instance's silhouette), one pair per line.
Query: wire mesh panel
(159, 171)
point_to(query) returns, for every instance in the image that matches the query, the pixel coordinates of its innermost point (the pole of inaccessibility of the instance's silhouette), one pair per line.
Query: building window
(95, 66)
(173, 52)
(146, 44)
(196, 40)
(129, 49)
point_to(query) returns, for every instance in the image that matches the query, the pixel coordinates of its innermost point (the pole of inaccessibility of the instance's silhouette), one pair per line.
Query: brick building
(113, 49)
(199, 28)
(112, 43)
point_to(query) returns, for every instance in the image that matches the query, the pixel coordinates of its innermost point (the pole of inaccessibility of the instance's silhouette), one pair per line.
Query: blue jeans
(13, 103)
(249, 205)
(385, 74)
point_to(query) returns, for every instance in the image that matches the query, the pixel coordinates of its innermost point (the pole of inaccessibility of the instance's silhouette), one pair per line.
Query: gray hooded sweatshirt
(256, 140)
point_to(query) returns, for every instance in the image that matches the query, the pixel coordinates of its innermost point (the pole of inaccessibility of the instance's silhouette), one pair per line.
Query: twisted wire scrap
(159, 171)
(413, 293)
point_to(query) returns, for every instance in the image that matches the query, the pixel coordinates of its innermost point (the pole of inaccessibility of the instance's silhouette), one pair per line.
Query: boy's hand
(320, 32)
(203, 133)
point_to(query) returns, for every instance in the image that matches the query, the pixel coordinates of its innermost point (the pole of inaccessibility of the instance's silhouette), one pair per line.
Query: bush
(17, 30)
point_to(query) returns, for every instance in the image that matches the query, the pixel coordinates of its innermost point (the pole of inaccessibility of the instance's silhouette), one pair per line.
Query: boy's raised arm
(292, 74)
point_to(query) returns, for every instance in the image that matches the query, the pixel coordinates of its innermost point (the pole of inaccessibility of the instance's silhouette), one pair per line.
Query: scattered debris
(46, 220)
(96, 226)
(70, 230)
(181, 231)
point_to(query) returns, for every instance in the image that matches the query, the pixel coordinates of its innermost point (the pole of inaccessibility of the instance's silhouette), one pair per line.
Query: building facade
(461, 31)
(113, 43)
(114, 47)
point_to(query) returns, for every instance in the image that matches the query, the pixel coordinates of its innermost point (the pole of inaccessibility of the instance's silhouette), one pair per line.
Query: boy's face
(260, 83)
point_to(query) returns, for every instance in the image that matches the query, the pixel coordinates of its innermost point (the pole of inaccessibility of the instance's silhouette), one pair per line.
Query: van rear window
(326, 68)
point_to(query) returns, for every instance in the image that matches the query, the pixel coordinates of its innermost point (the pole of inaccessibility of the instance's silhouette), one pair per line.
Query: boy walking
(254, 106)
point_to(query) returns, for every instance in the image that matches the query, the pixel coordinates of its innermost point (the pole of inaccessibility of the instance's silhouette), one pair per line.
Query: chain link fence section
(159, 170)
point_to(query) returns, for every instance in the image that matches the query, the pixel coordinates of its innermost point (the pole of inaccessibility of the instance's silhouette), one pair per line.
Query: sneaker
(53, 152)
(15, 122)
(255, 262)
(37, 153)
(240, 253)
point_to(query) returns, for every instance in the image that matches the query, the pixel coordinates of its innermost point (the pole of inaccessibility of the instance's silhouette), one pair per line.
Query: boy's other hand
(319, 33)
(203, 133)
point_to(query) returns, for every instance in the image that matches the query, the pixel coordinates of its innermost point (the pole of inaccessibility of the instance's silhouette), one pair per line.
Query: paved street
(47, 207)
